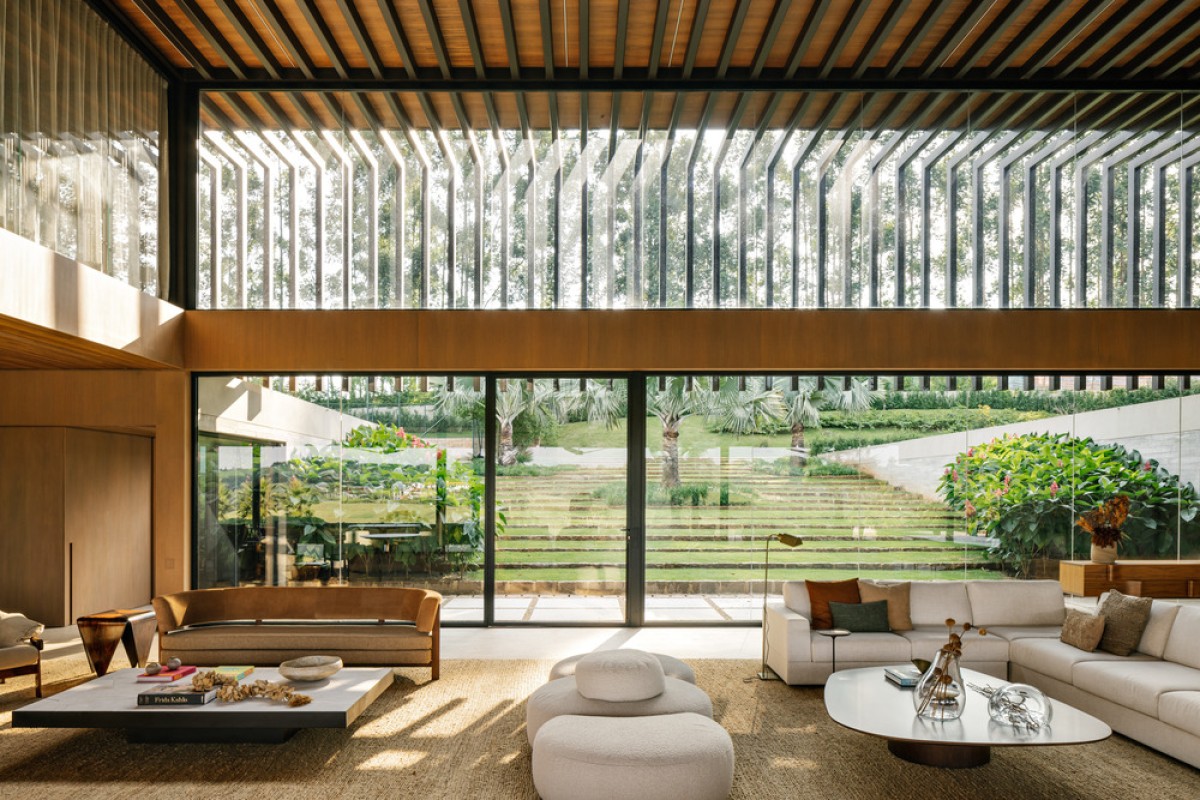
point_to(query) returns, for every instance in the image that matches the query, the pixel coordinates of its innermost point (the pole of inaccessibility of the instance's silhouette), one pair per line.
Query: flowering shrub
(1026, 492)
(385, 438)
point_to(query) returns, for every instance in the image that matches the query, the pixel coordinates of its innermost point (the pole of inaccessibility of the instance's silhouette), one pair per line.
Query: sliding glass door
(561, 494)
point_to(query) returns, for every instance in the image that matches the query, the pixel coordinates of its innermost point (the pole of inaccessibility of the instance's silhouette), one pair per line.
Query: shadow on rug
(464, 737)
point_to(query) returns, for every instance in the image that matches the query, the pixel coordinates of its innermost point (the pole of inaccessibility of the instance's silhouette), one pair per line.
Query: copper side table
(101, 632)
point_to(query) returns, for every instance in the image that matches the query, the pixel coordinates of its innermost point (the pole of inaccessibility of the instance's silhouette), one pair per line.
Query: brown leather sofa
(264, 625)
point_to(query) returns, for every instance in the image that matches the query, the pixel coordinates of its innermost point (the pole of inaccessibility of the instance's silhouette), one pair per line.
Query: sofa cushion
(1057, 660)
(1136, 685)
(933, 602)
(869, 647)
(1082, 630)
(1183, 645)
(1014, 632)
(1125, 619)
(860, 617)
(619, 676)
(289, 637)
(17, 628)
(927, 641)
(18, 655)
(1181, 709)
(897, 597)
(1158, 629)
(1015, 603)
(795, 597)
(820, 593)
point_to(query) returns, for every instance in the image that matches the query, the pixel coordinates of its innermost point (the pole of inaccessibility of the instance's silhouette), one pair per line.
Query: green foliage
(1027, 491)
(685, 494)
(384, 438)
(929, 420)
(1054, 403)
(814, 466)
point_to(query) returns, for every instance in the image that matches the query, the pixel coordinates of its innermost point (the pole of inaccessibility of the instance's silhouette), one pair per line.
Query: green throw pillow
(861, 617)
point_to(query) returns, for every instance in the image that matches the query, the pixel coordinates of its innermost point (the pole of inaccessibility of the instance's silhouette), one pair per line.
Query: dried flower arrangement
(939, 694)
(229, 691)
(1104, 523)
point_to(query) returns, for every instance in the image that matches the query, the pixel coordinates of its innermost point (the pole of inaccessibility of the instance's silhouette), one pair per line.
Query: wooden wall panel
(107, 520)
(148, 403)
(834, 341)
(33, 564)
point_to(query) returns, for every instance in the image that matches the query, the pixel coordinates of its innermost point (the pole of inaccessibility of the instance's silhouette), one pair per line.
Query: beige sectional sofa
(264, 625)
(1151, 696)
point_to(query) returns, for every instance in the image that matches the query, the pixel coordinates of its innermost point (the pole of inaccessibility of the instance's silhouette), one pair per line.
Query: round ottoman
(672, 668)
(668, 757)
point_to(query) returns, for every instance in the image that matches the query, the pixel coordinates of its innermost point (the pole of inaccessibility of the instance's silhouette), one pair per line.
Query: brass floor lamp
(787, 540)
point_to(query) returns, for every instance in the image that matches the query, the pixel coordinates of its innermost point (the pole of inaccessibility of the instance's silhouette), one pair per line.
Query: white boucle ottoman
(668, 757)
(672, 668)
(614, 683)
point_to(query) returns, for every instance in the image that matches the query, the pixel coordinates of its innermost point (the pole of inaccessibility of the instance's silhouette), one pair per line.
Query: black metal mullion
(489, 500)
(635, 498)
(181, 194)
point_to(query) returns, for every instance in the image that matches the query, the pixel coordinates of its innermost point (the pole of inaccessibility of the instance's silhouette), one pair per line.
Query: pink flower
(970, 509)
(1008, 480)
(1053, 488)
(970, 452)
(946, 471)
(1146, 466)
(954, 476)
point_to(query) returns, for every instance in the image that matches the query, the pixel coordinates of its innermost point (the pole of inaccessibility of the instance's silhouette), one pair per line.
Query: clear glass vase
(939, 693)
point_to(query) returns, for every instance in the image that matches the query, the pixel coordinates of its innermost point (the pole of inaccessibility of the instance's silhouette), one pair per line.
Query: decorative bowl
(310, 668)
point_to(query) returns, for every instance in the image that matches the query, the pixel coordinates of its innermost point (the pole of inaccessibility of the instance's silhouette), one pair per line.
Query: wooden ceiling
(640, 64)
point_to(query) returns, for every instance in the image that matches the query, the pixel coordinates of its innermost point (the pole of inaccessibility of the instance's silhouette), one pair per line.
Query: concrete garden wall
(1167, 431)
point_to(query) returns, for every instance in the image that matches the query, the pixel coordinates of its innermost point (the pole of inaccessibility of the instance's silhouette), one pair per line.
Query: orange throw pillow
(821, 592)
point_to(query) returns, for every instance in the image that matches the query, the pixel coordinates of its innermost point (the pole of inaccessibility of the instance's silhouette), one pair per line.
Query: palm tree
(800, 412)
(672, 405)
(509, 405)
(805, 402)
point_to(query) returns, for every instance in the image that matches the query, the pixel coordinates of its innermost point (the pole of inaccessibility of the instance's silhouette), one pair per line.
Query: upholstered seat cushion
(668, 757)
(933, 602)
(18, 655)
(1137, 685)
(1014, 632)
(878, 647)
(1015, 603)
(927, 641)
(672, 667)
(560, 697)
(317, 637)
(1181, 709)
(1058, 660)
(619, 676)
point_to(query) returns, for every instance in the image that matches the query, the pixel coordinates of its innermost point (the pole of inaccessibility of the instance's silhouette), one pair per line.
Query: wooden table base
(101, 633)
(947, 756)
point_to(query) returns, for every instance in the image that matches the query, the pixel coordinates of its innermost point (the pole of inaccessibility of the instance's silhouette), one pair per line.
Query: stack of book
(905, 675)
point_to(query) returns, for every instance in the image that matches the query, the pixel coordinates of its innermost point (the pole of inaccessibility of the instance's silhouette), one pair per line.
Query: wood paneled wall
(147, 403)
(33, 562)
(836, 341)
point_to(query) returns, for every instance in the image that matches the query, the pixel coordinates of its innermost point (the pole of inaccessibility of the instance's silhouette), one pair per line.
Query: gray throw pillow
(861, 617)
(1125, 618)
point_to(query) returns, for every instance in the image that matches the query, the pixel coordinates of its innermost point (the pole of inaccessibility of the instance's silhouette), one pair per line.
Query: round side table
(833, 634)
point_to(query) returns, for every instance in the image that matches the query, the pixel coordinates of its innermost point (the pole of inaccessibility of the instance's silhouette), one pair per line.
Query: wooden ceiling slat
(249, 34)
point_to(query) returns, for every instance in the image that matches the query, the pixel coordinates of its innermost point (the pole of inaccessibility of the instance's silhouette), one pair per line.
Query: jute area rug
(464, 737)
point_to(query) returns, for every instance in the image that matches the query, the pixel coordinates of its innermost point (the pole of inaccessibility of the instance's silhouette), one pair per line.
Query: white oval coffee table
(866, 701)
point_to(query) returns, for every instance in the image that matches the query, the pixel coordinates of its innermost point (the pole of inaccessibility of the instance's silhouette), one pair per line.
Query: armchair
(20, 649)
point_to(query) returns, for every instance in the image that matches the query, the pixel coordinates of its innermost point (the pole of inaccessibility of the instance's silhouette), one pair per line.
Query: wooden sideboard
(1142, 578)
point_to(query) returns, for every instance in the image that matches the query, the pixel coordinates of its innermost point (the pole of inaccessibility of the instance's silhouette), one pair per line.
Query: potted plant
(1105, 526)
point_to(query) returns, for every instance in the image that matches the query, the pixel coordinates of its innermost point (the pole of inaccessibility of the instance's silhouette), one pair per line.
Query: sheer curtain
(81, 116)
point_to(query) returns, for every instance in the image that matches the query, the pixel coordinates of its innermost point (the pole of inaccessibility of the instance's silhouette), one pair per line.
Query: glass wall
(332, 480)
(81, 117)
(561, 486)
(386, 201)
(383, 480)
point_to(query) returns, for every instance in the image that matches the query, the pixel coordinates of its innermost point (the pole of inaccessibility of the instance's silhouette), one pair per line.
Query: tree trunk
(798, 459)
(508, 452)
(670, 465)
